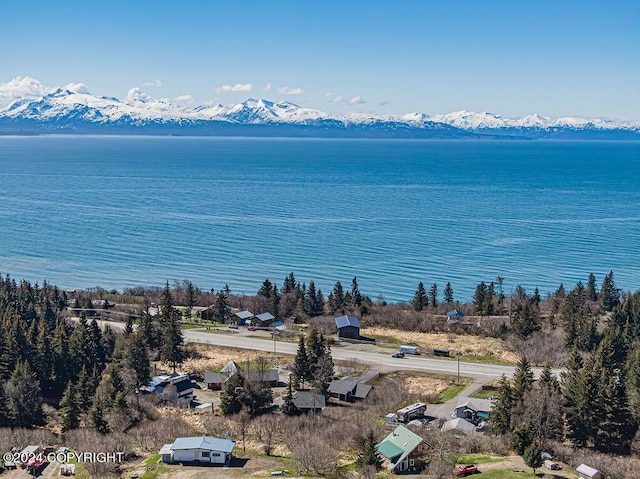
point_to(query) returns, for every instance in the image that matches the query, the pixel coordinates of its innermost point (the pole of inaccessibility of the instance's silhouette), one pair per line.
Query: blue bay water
(129, 211)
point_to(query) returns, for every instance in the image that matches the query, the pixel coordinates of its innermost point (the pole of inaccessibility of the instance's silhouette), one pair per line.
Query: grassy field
(451, 392)
(486, 393)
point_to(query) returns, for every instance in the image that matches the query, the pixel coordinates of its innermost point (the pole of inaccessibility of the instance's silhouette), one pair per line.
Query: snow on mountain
(74, 105)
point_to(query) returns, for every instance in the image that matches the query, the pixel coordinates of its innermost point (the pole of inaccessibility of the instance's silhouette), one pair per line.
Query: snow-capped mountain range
(76, 110)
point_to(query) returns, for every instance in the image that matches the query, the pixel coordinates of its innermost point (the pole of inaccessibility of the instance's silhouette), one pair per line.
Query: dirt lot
(516, 465)
(468, 344)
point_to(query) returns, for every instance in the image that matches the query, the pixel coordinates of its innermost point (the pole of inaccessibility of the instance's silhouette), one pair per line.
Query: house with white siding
(202, 449)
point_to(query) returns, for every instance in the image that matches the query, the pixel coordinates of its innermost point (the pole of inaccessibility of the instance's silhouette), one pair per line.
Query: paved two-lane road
(372, 356)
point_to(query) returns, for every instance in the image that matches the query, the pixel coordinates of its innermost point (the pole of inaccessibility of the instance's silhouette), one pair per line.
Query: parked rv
(407, 349)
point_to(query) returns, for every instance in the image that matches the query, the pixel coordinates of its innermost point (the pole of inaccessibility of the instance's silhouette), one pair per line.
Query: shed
(588, 472)
(348, 327)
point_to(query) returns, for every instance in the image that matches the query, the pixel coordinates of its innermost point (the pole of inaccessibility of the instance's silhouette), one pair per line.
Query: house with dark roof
(203, 449)
(473, 410)
(348, 389)
(241, 317)
(309, 401)
(403, 451)
(263, 320)
(454, 316)
(267, 378)
(348, 327)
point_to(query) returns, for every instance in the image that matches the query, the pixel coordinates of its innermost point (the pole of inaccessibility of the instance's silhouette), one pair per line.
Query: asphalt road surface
(369, 355)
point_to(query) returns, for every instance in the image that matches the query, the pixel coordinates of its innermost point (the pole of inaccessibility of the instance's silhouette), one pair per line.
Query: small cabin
(348, 327)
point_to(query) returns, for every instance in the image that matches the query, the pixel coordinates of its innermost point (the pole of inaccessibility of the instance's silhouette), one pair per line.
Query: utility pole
(458, 354)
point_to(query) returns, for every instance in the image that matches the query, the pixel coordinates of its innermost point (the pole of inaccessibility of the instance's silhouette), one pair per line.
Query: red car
(464, 470)
(251, 328)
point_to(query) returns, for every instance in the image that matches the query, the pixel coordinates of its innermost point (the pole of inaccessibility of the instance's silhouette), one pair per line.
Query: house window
(411, 462)
(205, 453)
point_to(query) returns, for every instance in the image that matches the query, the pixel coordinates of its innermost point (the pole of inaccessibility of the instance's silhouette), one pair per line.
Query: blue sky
(555, 58)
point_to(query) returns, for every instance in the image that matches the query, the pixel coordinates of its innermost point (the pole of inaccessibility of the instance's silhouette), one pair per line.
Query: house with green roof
(403, 451)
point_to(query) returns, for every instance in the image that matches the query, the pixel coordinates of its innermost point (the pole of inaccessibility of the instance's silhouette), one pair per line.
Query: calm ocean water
(128, 211)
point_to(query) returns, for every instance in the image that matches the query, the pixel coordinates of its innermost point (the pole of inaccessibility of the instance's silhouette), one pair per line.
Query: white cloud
(156, 83)
(356, 100)
(23, 87)
(337, 99)
(77, 88)
(385, 103)
(267, 87)
(136, 94)
(328, 93)
(237, 87)
(188, 98)
(285, 90)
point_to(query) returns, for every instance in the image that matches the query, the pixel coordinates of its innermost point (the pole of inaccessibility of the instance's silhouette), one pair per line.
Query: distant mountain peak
(74, 107)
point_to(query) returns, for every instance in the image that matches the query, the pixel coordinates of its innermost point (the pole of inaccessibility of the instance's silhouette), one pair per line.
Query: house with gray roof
(241, 317)
(348, 389)
(403, 451)
(454, 316)
(473, 410)
(348, 327)
(459, 425)
(263, 320)
(201, 449)
(267, 378)
(309, 401)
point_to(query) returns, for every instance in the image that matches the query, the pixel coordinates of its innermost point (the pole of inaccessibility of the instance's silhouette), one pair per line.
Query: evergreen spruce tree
(522, 437)
(533, 456)
(592, 294)
(274, 301)
(433, 295)
(368, 455)
(633, 380)
(301, 366)
(230, 398)
(190, 297)
(479, 299)
(336, 298)
(23, 397)
(314, 303)
(128, 327)
(70, 407)
(576, 403)
(265, 289)
(420, 299)
(448, 293)
(171, 345)
(502, 411)
(609, 295)
(547, 379)
(97, 420)
(290, 284)
(288, 406)
(221, 307)
(136, 357)
(356, 297)
(522, 378)
(526, 318)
